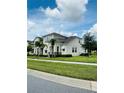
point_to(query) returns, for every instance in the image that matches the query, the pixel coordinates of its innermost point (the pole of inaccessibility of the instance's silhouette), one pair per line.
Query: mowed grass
(91, 59)
(70, 70)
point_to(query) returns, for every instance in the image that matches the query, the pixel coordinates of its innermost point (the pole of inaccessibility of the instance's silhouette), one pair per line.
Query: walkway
(67, 62)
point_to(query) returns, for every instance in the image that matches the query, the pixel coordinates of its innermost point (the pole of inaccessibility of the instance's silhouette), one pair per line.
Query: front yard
(91, 59)
(70, 70)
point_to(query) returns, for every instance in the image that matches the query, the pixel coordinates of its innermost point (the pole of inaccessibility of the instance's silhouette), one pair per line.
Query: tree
(37, 44)
(52, 41)
(29, 48)
(89, 43)
(94, 45)
(40, 45)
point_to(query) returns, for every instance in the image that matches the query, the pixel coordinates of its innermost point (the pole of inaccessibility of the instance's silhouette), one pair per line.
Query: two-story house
(63, 45)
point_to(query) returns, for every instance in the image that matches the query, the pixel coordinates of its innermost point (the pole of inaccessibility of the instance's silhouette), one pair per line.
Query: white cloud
(93, 29)
(52, 12)
(70, 10)
(39, 28)
(44, 21)
(67, 33)
(30, 24)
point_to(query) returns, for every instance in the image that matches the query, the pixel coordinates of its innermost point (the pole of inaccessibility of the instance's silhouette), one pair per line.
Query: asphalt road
(38, 85)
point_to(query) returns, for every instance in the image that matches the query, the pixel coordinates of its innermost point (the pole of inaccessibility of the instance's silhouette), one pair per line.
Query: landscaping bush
(43, 55)
(66, 55)
(29, 54)
(94, 52)
(58, 55)
(37, 55)
(84, 54)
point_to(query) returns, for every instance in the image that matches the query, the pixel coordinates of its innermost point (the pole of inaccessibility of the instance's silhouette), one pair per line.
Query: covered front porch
(52, 50)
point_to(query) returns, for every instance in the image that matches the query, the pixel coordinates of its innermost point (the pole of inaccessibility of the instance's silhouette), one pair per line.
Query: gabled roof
(54, 34)
(36, 38)
(30, 42)
(71, 38)
(66, 40)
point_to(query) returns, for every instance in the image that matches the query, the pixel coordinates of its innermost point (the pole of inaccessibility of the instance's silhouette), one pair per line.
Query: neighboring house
(63, 45)
(30, 43)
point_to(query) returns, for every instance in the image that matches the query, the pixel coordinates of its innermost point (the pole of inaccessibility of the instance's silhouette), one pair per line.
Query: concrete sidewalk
(67, 62)
(78, 83)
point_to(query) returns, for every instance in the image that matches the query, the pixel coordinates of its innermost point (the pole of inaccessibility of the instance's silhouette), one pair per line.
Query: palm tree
(37, 44)
(52, 41)
(40, 45)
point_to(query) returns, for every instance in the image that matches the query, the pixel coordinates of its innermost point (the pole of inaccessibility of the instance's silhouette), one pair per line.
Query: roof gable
(56, 34)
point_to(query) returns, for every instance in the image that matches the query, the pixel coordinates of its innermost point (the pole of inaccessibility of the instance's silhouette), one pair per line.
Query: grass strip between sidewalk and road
(91, 59)
(71, 70)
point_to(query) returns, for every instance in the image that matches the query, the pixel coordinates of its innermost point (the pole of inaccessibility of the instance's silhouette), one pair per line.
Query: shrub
(43, 55)
(66, 55)
(30, 54)
(58, 55)
(37, 55)
(84, 54)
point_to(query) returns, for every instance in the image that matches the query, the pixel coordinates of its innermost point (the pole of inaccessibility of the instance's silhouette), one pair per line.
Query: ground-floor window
(63, 49)
(57, 48)
(45, 51)
(74, 49)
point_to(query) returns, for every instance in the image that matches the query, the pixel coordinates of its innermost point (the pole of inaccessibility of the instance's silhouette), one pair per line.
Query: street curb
(78, 83)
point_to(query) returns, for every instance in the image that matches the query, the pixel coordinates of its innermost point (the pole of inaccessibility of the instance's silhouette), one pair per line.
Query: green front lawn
(70, 70)
(91, 59)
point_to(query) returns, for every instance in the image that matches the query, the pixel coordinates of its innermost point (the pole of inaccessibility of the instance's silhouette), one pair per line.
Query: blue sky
(67, 17)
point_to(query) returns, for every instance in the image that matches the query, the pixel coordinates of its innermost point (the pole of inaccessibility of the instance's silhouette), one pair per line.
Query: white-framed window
(63, 49)
(57, 48)
(45, 51)
(74, 49)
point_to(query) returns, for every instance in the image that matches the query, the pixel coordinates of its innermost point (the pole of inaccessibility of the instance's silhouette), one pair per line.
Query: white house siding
(37, 51)
(35, 48)
(47, 48)
(57, 45)
(73, 44)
